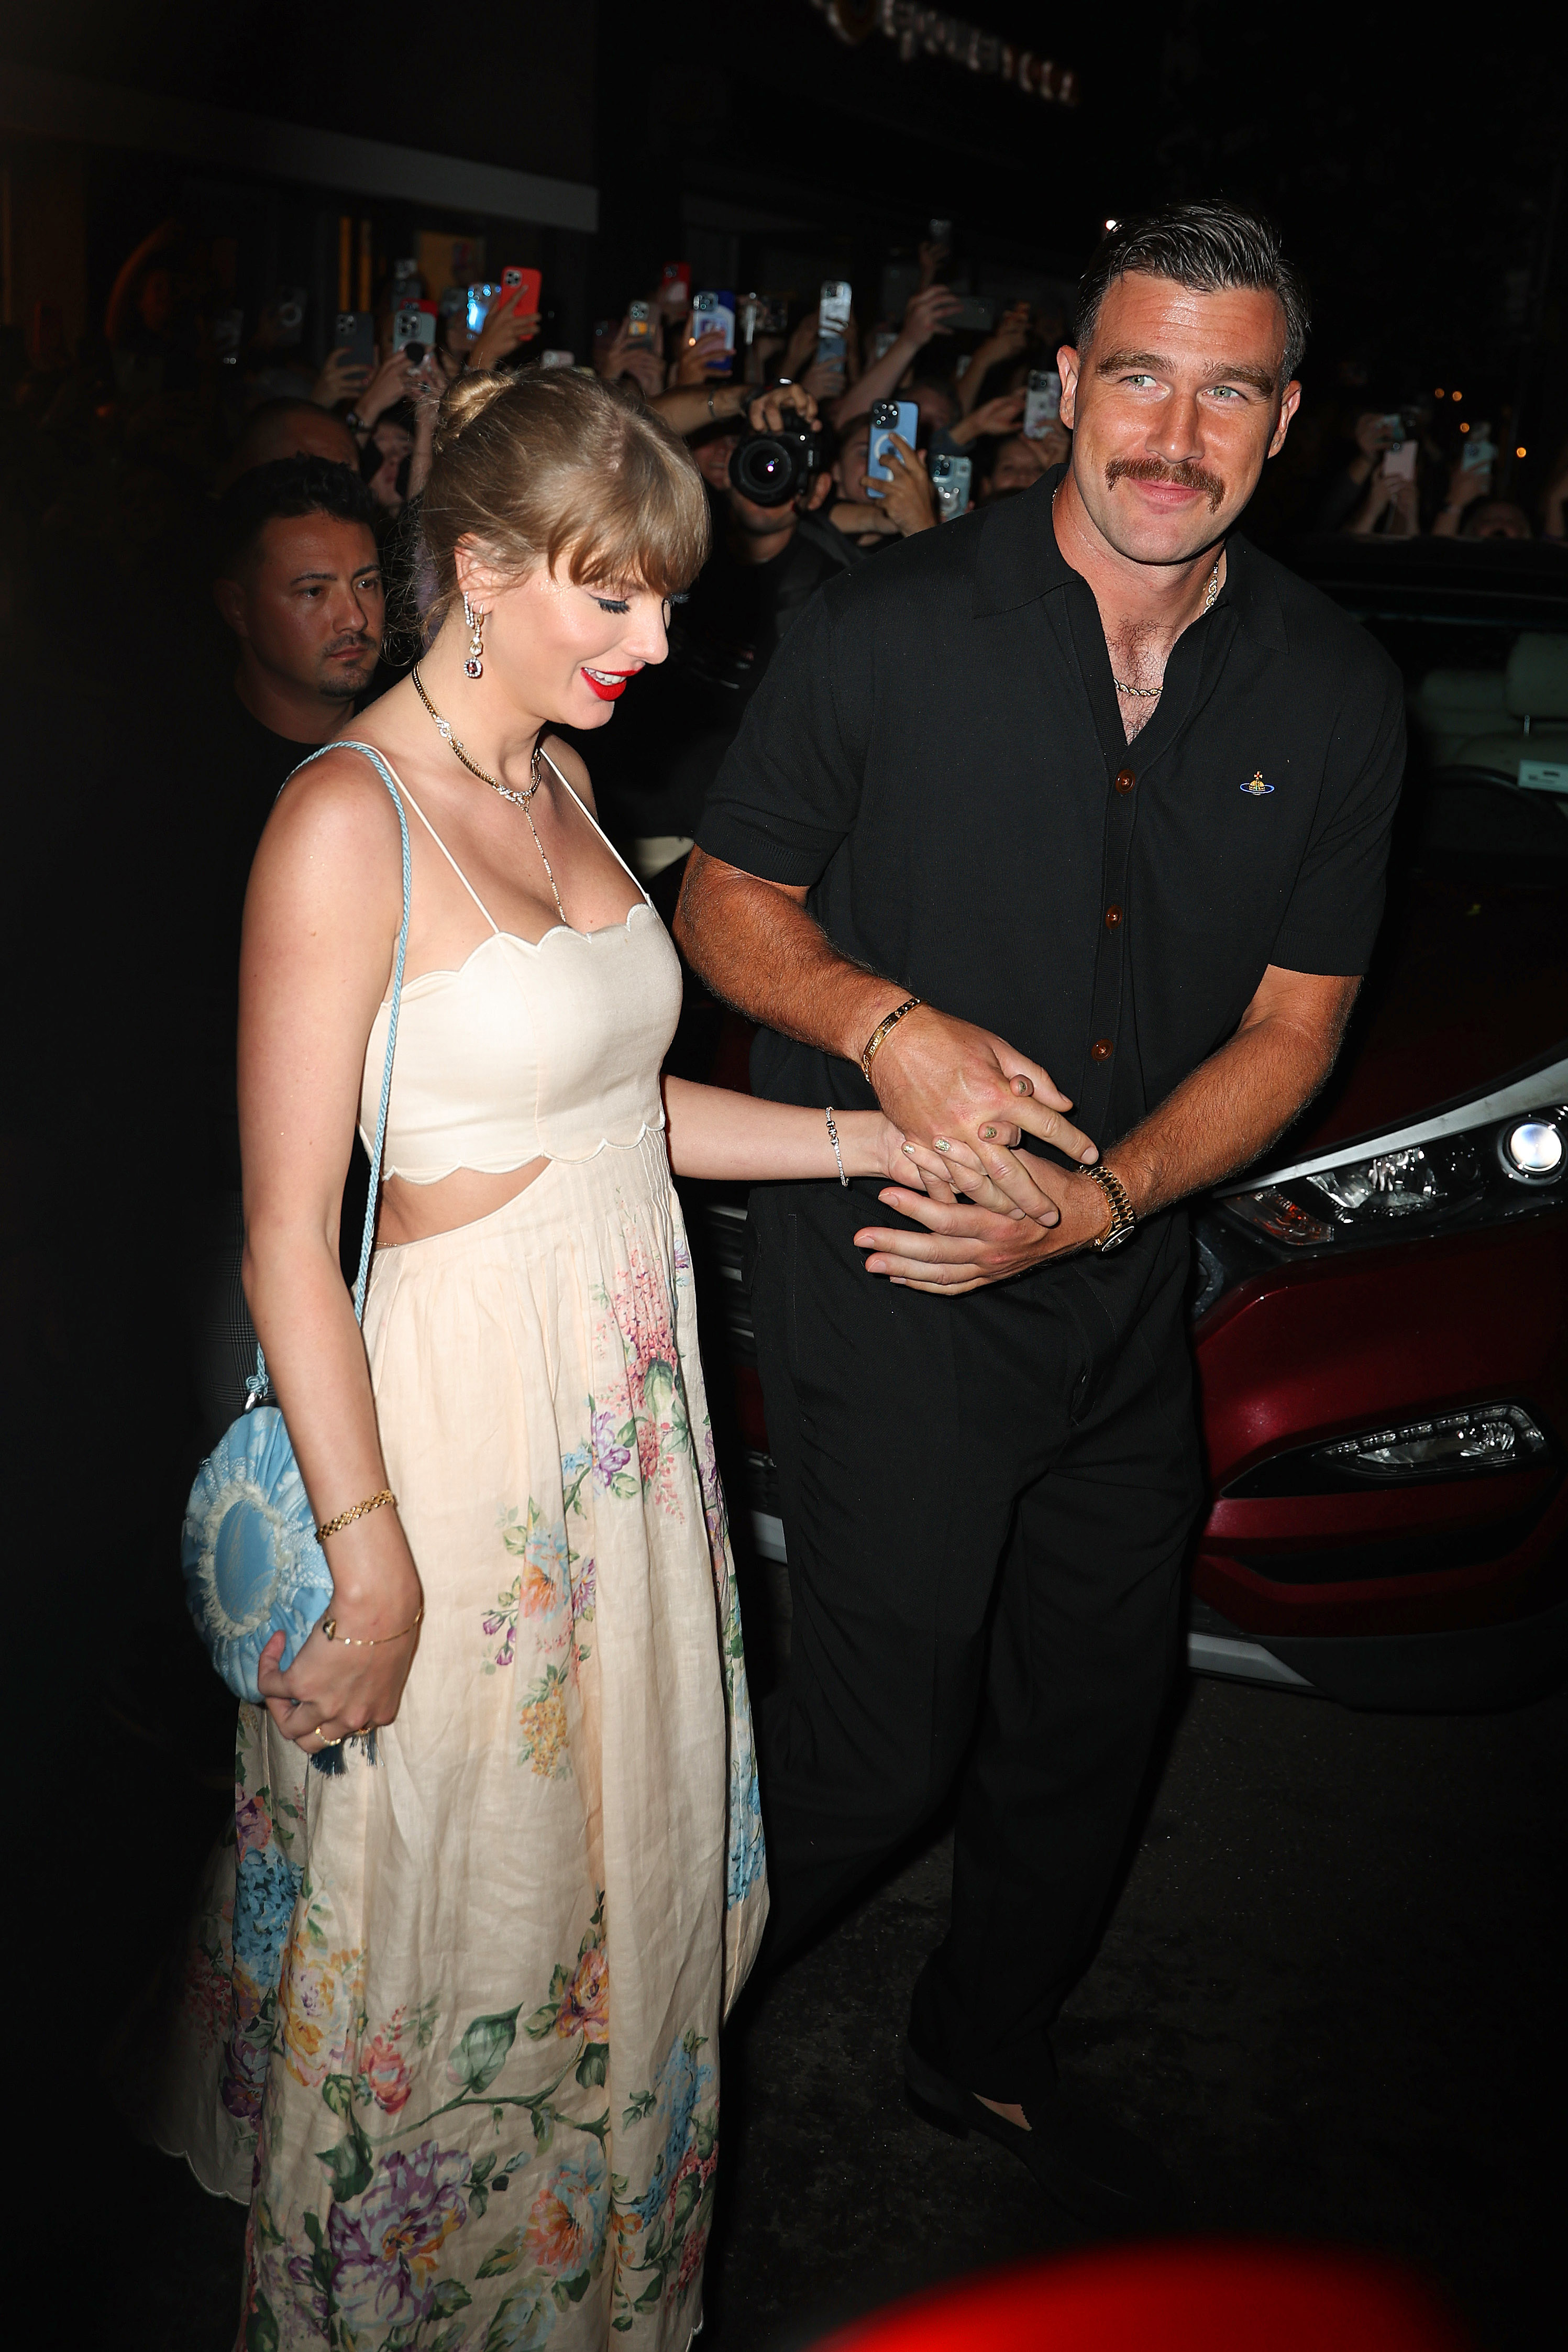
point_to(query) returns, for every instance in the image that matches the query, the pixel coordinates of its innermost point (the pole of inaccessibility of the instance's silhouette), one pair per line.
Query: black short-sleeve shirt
(937, 750)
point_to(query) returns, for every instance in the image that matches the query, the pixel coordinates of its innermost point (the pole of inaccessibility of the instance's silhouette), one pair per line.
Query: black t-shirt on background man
(938, 751)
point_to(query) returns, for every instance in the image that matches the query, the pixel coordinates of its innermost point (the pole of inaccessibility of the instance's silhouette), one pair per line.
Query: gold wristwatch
(1122, 1219)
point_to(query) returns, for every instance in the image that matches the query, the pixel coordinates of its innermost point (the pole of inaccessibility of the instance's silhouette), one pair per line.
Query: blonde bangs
(644, 526)
(546, 469)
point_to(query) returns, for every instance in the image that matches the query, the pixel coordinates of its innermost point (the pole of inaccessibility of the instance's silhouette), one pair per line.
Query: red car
(1380, 1307)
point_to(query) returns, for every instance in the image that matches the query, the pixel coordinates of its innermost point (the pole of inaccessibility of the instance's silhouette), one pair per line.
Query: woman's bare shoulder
(333, 824)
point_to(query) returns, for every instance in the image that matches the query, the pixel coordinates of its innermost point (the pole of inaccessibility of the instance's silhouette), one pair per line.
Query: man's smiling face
(1175, 405)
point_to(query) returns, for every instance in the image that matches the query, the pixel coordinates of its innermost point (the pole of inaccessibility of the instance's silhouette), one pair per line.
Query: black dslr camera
(773, 468)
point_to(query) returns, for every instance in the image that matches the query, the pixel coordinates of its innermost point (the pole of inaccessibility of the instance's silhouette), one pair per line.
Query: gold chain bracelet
(888, 1020)
(367, 1641)
(346, 1519)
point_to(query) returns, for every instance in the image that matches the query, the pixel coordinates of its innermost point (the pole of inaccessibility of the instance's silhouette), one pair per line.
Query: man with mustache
(1078, 804)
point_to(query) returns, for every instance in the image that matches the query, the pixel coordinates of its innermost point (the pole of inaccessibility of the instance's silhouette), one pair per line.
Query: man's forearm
(757, 948)
(1231, 1107)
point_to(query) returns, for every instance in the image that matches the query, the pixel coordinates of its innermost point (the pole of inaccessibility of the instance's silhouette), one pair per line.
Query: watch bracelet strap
(1123, 1217)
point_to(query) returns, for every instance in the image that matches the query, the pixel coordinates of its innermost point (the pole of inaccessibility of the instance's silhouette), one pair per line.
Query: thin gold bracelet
(888, 1020)
(367, 1640)
(346, 1519)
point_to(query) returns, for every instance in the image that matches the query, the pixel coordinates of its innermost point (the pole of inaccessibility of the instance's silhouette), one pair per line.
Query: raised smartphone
(950, 479)
(1042, 402)
(974, 313)
(413, 327)
(833, 320)
(639, 322)
(1399, 463)
(478, 308)
(353, 334)
(713, 310)
(889, 417)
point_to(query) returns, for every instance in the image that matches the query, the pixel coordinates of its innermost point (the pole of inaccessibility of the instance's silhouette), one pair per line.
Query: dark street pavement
(1331, 1993)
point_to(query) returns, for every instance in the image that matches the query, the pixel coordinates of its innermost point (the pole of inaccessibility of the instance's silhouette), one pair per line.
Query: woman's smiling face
(566, 649)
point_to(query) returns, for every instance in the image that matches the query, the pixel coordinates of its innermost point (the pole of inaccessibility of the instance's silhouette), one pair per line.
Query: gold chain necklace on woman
(1151, 693)
(519, 800)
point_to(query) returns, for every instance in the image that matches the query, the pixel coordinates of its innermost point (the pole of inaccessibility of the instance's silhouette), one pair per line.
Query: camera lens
(768, 469)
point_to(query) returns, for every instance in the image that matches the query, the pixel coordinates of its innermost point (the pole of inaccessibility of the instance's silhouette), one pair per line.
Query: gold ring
(320, 1735)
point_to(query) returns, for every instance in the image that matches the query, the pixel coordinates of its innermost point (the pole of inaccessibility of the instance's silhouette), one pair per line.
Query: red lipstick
(609, 683)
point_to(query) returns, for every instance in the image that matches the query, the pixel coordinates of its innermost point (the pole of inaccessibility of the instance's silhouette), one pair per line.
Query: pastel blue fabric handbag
(253, 1566)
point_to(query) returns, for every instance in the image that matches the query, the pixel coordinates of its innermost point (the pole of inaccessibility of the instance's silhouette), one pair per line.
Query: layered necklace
(518, 799)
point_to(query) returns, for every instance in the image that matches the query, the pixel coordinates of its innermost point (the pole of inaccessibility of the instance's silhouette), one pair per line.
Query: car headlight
(1479, 1176)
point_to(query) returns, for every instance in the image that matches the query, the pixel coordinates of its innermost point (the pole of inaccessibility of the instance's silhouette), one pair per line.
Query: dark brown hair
(1210, 249)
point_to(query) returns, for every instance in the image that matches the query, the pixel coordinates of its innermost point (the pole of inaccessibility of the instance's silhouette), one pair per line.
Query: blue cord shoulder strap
(259, 1382)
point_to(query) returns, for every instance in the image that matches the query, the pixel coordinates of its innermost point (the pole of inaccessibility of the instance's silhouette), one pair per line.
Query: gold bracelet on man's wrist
(888, 1020)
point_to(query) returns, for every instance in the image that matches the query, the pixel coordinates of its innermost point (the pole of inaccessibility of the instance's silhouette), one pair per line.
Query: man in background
(298, 583)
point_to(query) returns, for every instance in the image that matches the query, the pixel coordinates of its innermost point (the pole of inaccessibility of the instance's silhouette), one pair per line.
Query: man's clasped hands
(964, 1100)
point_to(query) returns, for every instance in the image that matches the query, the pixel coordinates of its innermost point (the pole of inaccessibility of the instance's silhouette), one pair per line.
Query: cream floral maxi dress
(450, 2024)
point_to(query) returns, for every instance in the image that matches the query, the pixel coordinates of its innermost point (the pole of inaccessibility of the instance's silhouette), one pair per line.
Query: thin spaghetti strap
(599, 828)
(450, 859)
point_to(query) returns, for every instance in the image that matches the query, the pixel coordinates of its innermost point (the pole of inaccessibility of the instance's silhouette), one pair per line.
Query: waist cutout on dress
(527, 1051)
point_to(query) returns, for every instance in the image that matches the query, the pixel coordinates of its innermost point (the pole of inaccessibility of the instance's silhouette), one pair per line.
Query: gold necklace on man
(518, 799)
(1152, 693)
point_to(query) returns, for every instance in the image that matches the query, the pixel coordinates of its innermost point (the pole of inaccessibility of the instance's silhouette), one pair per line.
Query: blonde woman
(451, 2022)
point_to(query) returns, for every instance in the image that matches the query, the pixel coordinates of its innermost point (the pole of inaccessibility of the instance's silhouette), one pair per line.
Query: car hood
(1469, 984)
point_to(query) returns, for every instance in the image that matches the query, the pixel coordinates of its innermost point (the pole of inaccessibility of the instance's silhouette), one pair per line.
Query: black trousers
(986, 1501)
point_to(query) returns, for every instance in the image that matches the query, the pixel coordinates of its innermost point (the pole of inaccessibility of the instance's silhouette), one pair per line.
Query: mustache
(1154, 469)
(352, 641)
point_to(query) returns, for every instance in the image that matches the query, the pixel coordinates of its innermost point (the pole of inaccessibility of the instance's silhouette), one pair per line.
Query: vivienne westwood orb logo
(1256, 787)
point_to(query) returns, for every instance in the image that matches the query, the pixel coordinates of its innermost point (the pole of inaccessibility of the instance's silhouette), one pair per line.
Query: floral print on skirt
(450, 2021)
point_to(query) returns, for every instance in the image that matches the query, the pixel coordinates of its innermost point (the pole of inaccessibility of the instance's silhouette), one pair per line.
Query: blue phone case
(907, 427)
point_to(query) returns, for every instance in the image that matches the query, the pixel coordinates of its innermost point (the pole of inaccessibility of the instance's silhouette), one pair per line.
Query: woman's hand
(336, 1689)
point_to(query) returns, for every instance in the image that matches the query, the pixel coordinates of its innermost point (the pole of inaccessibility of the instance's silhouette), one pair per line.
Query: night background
(1331, 1985)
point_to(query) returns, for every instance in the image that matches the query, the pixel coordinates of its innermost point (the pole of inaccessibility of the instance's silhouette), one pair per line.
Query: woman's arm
(742, 1138)
(716, 1133)
(322, 918)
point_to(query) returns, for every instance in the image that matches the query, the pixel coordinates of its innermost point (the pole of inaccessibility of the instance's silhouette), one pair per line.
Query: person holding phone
(989, 850)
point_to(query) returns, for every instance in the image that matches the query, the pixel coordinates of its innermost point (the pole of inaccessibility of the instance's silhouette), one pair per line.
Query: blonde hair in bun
(555, 465)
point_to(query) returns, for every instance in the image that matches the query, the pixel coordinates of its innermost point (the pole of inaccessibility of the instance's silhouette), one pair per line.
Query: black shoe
(1095, 2170)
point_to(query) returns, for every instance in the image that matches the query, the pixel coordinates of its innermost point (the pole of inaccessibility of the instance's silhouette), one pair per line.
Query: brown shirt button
(1124, 780)
(1100, 1050)
(1112, 917)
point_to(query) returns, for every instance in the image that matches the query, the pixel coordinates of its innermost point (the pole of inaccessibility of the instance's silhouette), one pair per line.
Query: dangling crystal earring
(475, 662)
